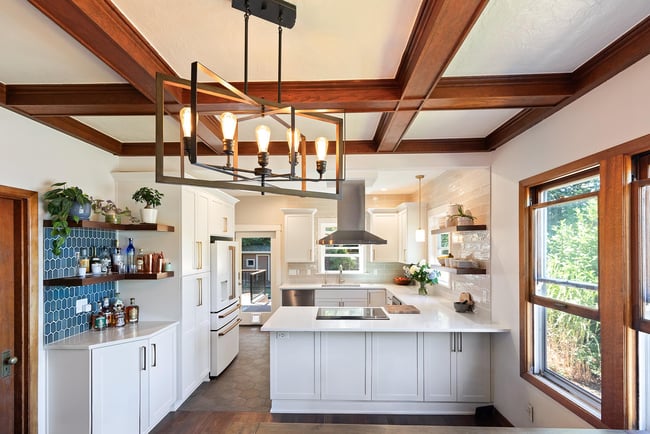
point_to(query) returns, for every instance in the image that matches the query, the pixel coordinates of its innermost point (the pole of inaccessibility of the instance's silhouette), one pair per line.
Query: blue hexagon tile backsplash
(59, 318)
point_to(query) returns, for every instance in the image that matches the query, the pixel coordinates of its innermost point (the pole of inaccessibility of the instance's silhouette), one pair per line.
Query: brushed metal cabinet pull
(143, 352)
(452, 342)
(154, 355)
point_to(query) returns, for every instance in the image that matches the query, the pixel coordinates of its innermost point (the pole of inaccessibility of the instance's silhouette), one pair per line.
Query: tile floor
(244, 385)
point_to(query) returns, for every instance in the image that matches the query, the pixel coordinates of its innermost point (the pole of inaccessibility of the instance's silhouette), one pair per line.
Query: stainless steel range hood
(351, 217)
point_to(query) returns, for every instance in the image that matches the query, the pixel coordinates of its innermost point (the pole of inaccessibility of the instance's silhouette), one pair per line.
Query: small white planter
(149, 215)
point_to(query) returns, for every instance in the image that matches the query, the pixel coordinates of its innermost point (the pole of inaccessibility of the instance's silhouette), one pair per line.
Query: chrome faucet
(340, 273)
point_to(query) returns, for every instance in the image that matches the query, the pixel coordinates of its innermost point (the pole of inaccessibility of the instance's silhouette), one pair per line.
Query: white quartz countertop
(110, 336)
(334, 285)
(436, 315)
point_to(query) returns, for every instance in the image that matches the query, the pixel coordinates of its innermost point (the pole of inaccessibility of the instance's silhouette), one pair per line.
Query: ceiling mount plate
(275, 11)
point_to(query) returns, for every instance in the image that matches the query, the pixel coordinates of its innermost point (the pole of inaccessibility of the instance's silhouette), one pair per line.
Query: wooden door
(18, 316)
(9, 346)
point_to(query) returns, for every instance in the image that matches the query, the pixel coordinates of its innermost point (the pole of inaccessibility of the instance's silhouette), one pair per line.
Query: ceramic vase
(149, 215)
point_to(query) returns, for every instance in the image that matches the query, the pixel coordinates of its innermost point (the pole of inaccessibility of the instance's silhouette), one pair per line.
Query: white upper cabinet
(385, 224)
(299, 235)
(410, 251)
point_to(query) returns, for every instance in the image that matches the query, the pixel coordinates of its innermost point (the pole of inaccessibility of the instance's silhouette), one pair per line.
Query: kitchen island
(434, 362)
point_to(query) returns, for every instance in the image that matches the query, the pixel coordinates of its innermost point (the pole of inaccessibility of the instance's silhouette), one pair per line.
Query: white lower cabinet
(345, 366)
(457, 367)
(397, 366)
(116, 384)
(295, 365)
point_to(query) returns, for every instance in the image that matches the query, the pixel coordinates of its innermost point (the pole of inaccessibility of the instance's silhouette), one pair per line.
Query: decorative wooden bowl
(401, 280)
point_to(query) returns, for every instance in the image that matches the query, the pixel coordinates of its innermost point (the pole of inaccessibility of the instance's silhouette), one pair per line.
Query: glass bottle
(132, 312)
(99, 319)
(130, 257)
(108, 313)
(119, 314)
(84, 260)
(105, 259)
(139, 261)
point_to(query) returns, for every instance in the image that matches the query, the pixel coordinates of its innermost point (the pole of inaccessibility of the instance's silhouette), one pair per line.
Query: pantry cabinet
(299, 235)
(117, 380)
(195, 342)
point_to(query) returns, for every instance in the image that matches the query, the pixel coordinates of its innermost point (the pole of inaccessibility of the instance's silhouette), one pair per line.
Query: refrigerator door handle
(225, 314)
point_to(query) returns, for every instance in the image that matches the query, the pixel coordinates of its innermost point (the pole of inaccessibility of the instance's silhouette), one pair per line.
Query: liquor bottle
(139, 261)
(132, 312)
(105, 259)
(84, 261)
(119, 314)
(130, 257)
(99, 319)
(108, 313)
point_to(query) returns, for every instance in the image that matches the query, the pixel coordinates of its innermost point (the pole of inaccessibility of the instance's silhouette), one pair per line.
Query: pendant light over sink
(419, 233)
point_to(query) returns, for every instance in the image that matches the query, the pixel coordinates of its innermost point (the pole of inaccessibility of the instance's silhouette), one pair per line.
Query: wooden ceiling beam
(3, 94)
(104, 31)
(82, 132)
(78, 100)
(440, 29)
(622, 53)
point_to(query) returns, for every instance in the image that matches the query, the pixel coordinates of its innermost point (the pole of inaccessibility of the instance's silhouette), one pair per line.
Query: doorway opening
(257, 275)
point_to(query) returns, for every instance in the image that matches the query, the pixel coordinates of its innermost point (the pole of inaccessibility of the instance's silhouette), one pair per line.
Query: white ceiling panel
(455, 124)
(41, 53)
(543, 36)
(132, 129)
(331, 40)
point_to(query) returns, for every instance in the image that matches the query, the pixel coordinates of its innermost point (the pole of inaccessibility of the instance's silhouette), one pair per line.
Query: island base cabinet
(295, 365)
(457, 367)
(397, 367)
(345, 366)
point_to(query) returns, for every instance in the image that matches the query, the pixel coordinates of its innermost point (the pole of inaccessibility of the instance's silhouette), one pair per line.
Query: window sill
(579, 407)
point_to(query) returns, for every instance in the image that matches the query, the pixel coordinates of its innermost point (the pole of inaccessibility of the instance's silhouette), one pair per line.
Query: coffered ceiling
(409, 76)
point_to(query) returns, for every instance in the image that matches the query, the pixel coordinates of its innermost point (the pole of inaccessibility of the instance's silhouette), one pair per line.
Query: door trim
(27, 301)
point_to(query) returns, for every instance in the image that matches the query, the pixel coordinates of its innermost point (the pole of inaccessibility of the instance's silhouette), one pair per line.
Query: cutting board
(401, 308)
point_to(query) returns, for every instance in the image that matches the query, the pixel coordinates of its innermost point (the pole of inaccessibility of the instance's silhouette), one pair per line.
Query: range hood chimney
(351, 217)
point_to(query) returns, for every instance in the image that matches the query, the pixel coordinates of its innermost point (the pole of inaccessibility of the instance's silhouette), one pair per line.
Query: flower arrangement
(423, 273)
(111, 212)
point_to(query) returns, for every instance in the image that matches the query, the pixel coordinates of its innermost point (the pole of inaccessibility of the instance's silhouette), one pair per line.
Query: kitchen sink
(341, 285)
(351, 313)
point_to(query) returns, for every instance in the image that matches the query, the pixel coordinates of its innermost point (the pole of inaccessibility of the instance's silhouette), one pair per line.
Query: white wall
(34, 157)
(613, 113)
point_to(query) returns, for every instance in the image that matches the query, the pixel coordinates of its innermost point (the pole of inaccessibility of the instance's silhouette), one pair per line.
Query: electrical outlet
(530, 413)
(81, 304)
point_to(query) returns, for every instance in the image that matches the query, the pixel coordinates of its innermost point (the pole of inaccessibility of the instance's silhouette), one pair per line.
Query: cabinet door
(345, 368)
(188, 243)
(201, 235)
(353, 297)
(299, 241)
(221, 218)
(439, 367)
(473, 367)
(403, 227)
(397, 367)
(117, 372)
(385, 225)
(295, 365)
(162, 375)
(376, 297)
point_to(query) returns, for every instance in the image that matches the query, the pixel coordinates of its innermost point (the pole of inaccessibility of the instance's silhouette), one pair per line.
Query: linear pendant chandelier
(203, 116)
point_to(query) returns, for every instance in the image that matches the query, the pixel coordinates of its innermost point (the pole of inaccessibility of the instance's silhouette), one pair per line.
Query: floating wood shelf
(92, 279)
(462, 228)
(89, 224)
(460, 270)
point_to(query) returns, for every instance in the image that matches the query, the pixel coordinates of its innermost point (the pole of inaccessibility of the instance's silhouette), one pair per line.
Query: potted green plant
(63, 203)
(111, 212)
(462, 216)
(151, 198)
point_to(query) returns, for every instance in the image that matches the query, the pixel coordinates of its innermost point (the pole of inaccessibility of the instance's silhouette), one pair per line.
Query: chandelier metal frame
(204, 97)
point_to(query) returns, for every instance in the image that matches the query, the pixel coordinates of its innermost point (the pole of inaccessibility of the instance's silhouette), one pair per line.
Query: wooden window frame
(618, 307)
